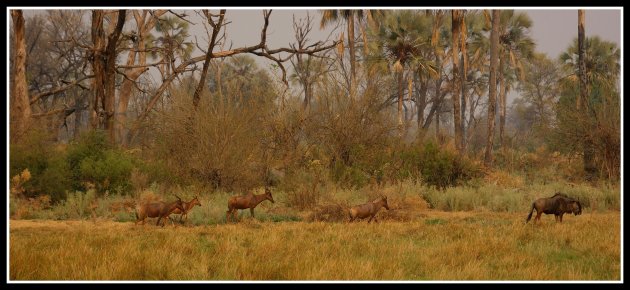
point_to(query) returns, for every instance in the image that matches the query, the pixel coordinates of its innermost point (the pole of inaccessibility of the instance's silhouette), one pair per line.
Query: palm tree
(171, 43)
(329, 16)
(516, 45)
(400, 39)
(589, 150)
(456, 19)
(599, 65)
(494, 56)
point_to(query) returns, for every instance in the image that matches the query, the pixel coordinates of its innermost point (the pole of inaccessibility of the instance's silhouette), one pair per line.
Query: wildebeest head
(268, 195)
(576, 207)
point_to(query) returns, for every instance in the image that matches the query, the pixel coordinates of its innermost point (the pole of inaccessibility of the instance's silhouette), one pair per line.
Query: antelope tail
(530, 212)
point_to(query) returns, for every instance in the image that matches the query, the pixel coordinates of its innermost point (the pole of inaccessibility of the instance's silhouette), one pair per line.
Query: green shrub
(50, 173)
(95, 162)
(55, 180)
(109, 173)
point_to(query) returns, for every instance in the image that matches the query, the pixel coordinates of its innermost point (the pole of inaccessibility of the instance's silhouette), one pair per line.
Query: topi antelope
(158, 209)
(368, 209)
(247, 201)
(187, 206)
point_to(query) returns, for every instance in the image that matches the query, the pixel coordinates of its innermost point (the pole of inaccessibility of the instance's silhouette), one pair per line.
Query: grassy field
(433, 245)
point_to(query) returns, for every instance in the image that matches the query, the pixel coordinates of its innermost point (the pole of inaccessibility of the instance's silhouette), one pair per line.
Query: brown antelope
(187, 207)
(368, 209)
(247, 201)
(158, 209)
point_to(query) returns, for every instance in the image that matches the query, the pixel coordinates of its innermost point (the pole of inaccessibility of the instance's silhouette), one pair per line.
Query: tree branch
(56, 90)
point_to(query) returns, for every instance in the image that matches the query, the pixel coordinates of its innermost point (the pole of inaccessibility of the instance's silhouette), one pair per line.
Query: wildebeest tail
(530, 212)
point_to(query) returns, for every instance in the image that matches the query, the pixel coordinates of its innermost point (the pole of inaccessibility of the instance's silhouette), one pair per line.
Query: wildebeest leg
(538, 214)
(560, 218)
(556, 217)
(158, 221)
(252, 211)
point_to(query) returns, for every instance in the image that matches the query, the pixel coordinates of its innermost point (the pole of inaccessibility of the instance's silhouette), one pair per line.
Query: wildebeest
(187, 207)
(368, 209)
(158, 209)
(558, 205)
(247, 201)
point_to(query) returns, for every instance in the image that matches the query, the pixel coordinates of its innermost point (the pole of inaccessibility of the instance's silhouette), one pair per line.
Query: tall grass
(499, 198)
(407, 198)
(441, 246)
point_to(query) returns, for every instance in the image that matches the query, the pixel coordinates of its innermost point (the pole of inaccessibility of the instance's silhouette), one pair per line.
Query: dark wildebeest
(247, 201)
(158, 209)
(558, 204)
(368, 209)
(187, 207)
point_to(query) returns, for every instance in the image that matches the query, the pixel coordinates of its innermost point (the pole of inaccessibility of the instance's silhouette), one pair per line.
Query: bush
(46, 163)
(110, 173)
(94, 161)
(304, 186)
(434, 166)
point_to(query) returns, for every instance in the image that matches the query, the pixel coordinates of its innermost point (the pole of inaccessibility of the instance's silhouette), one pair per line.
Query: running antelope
(368, 209)
(247, 201)
(187, 206)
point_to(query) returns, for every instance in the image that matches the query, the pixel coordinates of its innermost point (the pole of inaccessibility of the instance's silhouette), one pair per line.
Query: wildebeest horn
(177, 197)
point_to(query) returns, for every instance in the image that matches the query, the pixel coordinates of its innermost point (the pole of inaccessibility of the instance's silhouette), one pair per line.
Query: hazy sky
(553, 30)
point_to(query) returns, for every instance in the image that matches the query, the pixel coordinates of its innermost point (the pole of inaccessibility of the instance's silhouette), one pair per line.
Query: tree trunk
(464, 70)
(464, 101)
(109, 97)
(589, 146)
(494, 55)
(501, 99)
(104, 67)
(366, 52)
(352, 56)
(20, 105)
(421, 101)
(144, 27)
(98, 66)
(78, 114)
(307, 94)
(209, 56)
(456, 15)
(400, 101)
(438, 82)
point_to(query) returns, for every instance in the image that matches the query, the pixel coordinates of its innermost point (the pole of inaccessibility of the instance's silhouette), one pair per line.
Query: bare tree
(259, 49)
(20, 106)
(145, 22)
(104, 68)
(307, 68)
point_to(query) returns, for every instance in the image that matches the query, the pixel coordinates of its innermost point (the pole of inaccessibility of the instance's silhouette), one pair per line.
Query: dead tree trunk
(20, 105)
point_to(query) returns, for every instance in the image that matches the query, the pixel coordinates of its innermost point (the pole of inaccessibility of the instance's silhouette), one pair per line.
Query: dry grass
(430, 245)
